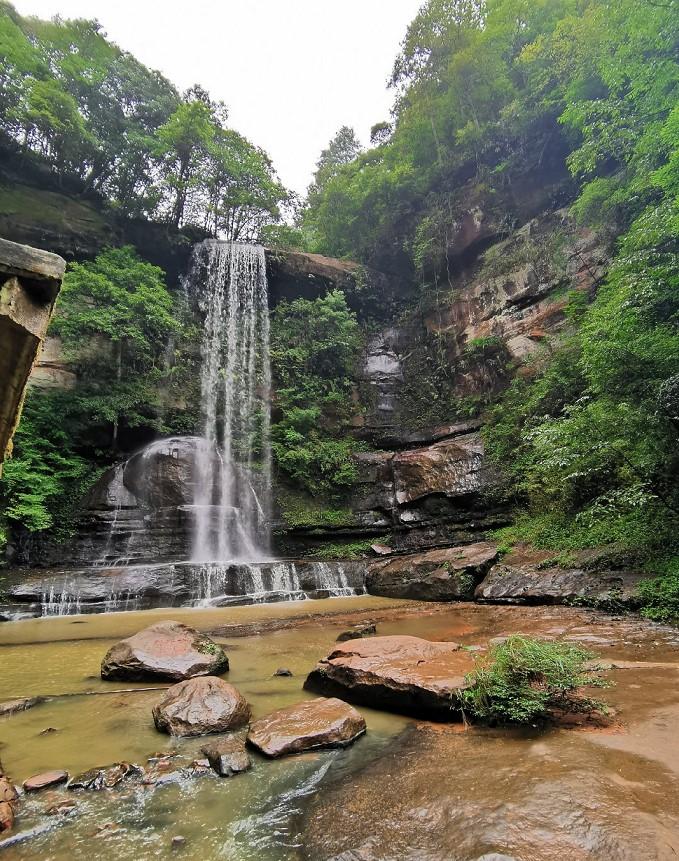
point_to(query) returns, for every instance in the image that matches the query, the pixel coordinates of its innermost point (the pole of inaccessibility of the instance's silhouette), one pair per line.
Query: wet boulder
(201, 706)
(447, 574)
(399, 673)
(45, 780)
(107, 776)
(532, 583)
(227, 756)
(167, 650)
(305, 726)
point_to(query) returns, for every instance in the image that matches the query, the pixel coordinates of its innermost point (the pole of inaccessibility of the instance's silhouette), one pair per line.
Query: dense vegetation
(129, 342)
(523, 680)
(587, 435)
(106, 124)
(314, 347)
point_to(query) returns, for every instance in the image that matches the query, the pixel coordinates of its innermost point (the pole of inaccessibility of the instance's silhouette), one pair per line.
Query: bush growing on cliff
(314, 347)
(522, 679)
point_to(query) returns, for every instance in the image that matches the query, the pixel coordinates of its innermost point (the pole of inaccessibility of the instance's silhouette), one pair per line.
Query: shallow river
(406, 790)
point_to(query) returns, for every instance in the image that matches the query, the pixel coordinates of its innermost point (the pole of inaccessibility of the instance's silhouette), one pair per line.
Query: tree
(114, 316)
(341, 150)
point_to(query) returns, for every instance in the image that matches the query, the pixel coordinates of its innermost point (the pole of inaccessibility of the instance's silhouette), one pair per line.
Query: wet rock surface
(448, 574)
(227, 756)
(201, 706)
(21, 704)
(532, 584)
(8, 800)
(397, 673)
(306, 726)
(356, 632)
(107, 777)
(167, 650)
(45, 780)
(438, 795)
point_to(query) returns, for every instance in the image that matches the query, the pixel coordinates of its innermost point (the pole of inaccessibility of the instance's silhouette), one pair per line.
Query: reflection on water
(401, 792)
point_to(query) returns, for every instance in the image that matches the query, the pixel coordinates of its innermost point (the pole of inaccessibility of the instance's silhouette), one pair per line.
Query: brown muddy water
(407, 790)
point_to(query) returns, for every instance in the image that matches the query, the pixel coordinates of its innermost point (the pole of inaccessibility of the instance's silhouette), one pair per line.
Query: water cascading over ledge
(185, 521)
(232, 496)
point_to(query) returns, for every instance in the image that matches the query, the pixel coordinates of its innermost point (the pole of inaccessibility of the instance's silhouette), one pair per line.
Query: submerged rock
(45, 780)
(283, 671)
(201, 706)
(306, 726)
(366, 629)
(403, 674)
(107, 776)
(21, 704)
(448, 574)
(167, 650)
(227, 756)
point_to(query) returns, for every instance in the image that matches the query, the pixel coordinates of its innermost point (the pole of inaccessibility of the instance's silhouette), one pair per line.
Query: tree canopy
(72, 99)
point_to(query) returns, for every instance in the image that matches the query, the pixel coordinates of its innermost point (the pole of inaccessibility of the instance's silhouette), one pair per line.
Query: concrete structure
(30, 280)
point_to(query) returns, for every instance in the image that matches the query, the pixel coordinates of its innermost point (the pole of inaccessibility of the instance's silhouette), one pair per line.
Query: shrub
(522, 678)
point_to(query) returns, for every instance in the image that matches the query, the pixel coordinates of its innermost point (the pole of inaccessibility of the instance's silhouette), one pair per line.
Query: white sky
(291, 71)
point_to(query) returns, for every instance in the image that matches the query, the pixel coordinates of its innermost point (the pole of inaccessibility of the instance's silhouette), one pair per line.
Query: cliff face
(29, 283)
(434, 356)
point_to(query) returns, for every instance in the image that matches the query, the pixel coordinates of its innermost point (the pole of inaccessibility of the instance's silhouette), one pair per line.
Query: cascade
(185, 521)
(232, 497)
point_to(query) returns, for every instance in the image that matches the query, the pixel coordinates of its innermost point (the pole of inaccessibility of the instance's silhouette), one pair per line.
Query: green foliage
(522, 678)
(46, 476)
(659, 595)
(116, 320)
(314, 347)
(93, 113)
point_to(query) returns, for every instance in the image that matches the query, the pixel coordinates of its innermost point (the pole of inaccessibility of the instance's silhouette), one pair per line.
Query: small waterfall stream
(232, 501)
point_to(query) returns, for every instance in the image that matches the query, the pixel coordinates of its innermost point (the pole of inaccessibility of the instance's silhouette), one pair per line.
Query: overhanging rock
(30, 280)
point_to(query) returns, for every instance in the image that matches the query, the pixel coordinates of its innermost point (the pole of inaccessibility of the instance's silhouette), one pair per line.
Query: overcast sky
(291, 71)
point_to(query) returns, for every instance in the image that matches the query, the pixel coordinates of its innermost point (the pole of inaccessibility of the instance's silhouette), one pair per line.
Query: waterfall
(233, 460)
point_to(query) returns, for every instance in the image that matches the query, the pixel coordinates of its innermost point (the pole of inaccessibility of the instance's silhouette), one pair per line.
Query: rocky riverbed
(405, 788)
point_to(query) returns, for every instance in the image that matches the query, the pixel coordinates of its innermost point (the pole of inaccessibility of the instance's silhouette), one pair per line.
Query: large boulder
(532, 584)
(227, 756)
(452, 467)
(166, 650)
(201, 706)
(448, 574)
(403, 674)
(305, 726)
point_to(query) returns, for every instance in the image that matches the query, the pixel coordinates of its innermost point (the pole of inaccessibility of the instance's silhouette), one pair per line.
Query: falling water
(233, 460)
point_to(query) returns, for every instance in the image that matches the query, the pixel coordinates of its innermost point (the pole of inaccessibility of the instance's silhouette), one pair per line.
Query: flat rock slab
(530, 584)
(201, 706)
(306, 726)
(402, 674)
(446, 574)
(167, 650)
(227, 756)
(45, 780)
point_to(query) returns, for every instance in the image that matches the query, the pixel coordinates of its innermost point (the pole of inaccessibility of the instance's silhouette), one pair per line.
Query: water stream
(407, 790)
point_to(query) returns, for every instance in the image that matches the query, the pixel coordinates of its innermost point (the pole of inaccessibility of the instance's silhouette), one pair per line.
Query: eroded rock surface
(448, 574)
(305, 726)
(531, 584)
(167, 650)
(201, 706)
(398, 673)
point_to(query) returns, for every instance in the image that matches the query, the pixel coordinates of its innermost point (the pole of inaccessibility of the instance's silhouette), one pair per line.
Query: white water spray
(233, 460)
